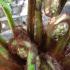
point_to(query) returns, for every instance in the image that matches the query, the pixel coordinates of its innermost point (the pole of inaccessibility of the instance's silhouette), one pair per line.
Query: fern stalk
(38, 22)
(31, 17)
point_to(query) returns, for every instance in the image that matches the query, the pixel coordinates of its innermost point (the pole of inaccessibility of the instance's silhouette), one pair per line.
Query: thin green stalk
(30, 65)
(7, 10)
(9, 16)
(31, 59)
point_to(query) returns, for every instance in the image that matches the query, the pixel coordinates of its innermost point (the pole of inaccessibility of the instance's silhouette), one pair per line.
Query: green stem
(31, 59)
(31, 66)
(38, 21)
